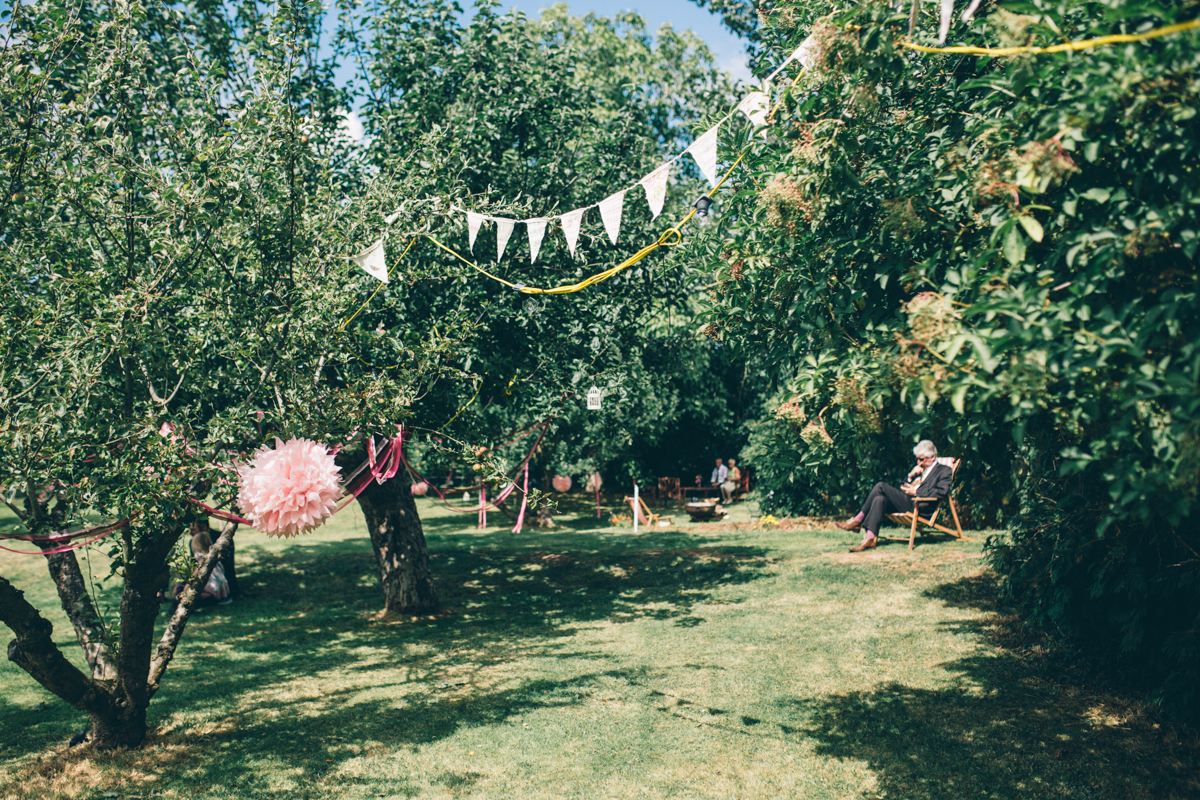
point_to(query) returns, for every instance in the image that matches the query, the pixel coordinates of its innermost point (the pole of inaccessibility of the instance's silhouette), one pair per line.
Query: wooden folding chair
(911, 519)
(644, 515)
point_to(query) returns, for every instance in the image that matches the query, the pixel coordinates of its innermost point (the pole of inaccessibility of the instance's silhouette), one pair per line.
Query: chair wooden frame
(670, 488)
(911, 519)
(644, 515)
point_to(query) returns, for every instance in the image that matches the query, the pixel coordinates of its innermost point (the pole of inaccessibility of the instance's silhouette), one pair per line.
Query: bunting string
(755, 106)
(1084, 44)
(669, 238)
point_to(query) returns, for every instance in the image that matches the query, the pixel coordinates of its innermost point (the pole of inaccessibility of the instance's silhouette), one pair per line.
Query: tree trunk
(400, 549)
(545, 513)
(121, 727)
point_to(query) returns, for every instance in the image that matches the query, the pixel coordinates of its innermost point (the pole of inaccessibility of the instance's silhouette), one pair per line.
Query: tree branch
(35, 652)
(72, 593)
(150, 385)
(175, 626)
(269, 368)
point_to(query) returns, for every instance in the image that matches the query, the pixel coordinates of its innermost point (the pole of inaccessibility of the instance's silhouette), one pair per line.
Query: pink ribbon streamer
(503, 495)
(63, 549)
(524, 501)
(100, 532)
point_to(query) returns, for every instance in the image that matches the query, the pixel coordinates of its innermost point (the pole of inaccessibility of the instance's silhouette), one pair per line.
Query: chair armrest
(926, 499)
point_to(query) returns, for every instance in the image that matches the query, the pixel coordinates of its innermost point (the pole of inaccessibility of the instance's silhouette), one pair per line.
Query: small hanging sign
(594, 396)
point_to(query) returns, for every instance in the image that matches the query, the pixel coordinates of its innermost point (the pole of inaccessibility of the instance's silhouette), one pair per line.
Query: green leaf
(1014, 246)
(958, 397)
(1031, 226)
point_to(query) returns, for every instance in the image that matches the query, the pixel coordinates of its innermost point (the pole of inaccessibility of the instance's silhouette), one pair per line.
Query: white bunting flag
(570, 225)
(944, 26)
(473, 222)
(655, 185)
(755, 106)
(504, 229)
(390, 218)
(806, 53)
(610, 211)
(704, 150)
(970, 12)
(372, 261)
(536, 228)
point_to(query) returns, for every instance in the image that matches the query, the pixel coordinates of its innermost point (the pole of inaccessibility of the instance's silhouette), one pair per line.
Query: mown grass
(690, 662)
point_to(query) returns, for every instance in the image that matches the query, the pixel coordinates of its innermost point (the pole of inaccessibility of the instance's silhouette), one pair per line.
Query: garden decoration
(594, 482)
(283, 492)
(594, 398)
(524, 501)
(561, 483)
(512, 485)
(420, 488)
(704, 151)
(290, 489)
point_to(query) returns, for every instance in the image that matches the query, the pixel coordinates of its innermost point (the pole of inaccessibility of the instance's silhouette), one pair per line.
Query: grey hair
(925, 449)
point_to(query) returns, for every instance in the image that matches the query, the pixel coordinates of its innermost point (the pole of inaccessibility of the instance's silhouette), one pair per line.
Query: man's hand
(909, 490)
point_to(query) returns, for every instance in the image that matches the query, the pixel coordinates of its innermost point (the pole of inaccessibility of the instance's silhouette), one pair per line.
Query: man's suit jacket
(936, 483)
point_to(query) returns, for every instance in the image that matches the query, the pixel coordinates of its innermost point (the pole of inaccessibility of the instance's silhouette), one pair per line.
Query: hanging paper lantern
(561, 483)
(594, 396)
(289, 490)
(420, 488)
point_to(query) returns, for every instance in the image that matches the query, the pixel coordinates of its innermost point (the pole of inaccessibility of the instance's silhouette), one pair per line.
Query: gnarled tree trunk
(115, 705)
(399, 544)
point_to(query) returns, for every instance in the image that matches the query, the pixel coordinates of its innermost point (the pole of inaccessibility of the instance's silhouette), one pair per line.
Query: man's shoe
(849, 525)
(866, 544)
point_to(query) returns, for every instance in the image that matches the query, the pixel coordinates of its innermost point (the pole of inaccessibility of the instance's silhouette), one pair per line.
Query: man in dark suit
(927, 479)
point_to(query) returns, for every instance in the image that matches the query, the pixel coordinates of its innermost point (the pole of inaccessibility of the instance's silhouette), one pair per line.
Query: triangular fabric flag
(570, 225)
(473, 222)
(806, 53)
(610, 211)
(390, 218)
(504, 229)
(536, 228)
(704, 150)
(944, 26)
(970, 12)
(755, 106)
(655, 185)
(373, 262)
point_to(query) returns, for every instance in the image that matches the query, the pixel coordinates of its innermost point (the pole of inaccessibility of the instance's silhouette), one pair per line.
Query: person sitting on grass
(928, 477)
(217, 589)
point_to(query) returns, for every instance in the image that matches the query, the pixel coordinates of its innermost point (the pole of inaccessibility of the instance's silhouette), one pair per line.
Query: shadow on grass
(302, 671)
(1010, 728)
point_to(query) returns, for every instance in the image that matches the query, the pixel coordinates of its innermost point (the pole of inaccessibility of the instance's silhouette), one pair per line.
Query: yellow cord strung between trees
(366, 302)
(669, 238)
(1086, 44)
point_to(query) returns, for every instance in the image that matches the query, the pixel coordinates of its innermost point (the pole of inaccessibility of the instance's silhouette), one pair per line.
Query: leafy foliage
(536, 117)
(998, 254)
(173, 262)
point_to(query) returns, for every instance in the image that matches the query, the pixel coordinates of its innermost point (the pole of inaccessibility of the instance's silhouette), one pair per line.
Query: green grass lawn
(711, 661)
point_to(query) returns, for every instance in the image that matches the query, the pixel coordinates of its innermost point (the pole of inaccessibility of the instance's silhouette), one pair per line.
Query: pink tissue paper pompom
(561, 483)
(289, 490)
(420, 488)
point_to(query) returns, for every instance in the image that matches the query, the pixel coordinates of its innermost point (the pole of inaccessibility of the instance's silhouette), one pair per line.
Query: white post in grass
(635, 507)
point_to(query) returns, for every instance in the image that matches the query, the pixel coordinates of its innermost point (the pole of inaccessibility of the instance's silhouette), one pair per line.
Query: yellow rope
(464, 408)
(342, 327)
(664, 240)
(1118, 38)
